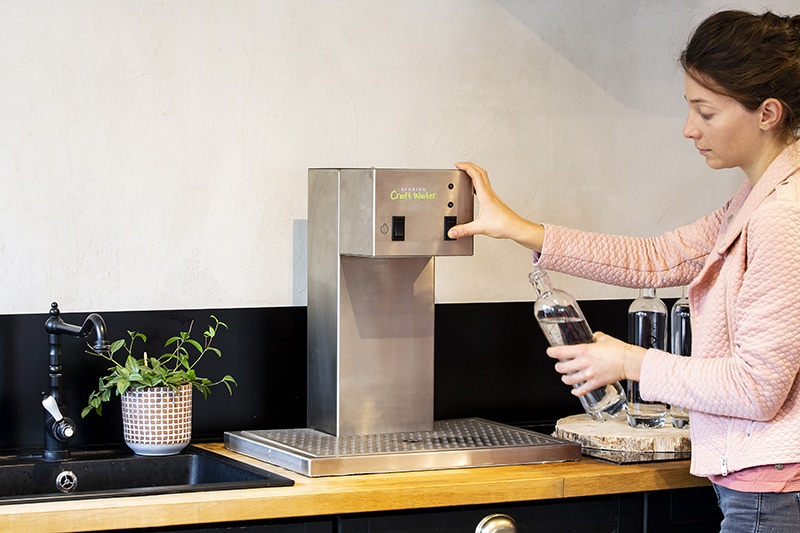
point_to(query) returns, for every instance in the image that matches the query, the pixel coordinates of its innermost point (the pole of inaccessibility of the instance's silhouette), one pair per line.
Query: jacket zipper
(729, 436)
(724, 459)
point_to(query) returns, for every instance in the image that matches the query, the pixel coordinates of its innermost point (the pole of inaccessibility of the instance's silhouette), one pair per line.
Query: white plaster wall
(154, 154)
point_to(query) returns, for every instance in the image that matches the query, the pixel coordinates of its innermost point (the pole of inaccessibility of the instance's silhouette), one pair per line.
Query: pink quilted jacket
(742, 264)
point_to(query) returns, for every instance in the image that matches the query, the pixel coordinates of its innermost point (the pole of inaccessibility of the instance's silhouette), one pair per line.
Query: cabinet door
(670, 511)
(587, 515)
(273, 526)
(684, 511)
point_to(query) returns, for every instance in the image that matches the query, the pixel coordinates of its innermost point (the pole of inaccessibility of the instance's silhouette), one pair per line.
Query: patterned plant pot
(157, 420)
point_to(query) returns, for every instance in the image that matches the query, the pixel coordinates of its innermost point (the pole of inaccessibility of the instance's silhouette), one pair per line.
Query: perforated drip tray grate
(463, 443)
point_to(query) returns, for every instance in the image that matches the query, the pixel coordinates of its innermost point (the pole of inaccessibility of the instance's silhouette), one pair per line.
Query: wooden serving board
(619, 436)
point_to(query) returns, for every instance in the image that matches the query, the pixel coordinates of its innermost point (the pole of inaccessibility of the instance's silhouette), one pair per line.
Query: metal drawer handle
(496, 523)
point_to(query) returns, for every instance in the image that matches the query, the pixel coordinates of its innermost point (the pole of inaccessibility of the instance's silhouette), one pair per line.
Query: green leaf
(132, 365)
(122, 386)
(116, 345)
(196, 344)
(172, 340)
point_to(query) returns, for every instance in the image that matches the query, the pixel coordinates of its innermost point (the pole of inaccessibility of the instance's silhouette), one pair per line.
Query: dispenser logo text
(412, 193)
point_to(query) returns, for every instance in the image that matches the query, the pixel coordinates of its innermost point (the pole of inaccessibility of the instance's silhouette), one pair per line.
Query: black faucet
(59, 430)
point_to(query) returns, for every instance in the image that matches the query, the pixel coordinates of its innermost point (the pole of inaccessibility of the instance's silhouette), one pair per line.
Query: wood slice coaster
(619, 436)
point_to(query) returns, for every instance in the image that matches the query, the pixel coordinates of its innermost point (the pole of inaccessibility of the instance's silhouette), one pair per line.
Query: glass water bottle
(647, 327)
(681, 337)
(563, 323)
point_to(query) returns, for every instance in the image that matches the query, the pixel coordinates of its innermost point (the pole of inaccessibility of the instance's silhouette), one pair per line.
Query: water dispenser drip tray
(462, 443)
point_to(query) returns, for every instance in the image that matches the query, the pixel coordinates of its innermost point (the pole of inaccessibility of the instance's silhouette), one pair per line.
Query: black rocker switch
(449, 222)
(398, 228)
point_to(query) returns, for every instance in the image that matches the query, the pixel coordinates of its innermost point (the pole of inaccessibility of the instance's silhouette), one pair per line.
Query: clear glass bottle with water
(681, 337)
(647, 327)
(562, 322)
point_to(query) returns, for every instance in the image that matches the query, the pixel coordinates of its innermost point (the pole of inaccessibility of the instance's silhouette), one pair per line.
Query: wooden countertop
(349, 494)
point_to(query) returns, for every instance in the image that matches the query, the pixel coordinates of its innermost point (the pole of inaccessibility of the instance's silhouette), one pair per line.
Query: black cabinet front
(672, 511)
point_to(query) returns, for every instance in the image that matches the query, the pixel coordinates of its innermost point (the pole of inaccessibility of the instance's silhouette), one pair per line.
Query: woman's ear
(771, 114)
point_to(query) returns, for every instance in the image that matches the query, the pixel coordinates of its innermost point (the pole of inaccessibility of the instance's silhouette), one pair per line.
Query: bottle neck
(541, 282)
(647, 293)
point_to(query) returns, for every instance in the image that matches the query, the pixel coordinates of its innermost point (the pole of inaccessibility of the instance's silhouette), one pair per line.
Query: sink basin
(109, 473)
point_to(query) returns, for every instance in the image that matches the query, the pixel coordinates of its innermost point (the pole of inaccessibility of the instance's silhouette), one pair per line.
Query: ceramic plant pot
(157, 420)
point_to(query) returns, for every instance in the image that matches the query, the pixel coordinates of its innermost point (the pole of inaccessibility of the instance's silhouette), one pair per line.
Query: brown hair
(750, 58)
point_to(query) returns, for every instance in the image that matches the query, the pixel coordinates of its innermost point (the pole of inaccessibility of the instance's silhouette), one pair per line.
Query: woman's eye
(706, 116)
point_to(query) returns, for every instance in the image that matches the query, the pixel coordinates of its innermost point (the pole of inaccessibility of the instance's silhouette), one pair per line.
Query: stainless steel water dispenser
(373, 234)
(372, 238)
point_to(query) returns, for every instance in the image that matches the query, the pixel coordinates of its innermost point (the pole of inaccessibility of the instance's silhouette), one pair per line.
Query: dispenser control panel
(403, 212)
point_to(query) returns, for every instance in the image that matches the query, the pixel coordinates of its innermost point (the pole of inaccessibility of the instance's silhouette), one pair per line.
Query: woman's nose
(689, 131)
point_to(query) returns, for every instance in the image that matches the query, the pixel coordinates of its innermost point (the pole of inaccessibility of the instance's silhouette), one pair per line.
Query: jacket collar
(787, 163)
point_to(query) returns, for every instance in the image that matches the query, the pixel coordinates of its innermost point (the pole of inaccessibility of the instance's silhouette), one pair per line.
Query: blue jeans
(759, 512)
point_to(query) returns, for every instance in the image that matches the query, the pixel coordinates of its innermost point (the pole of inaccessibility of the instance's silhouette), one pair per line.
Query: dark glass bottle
(681, 337)
(562, 322)
(647, 327)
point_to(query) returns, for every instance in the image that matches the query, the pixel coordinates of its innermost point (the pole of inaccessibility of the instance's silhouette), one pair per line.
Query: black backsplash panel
(263, 349)
(489, 362)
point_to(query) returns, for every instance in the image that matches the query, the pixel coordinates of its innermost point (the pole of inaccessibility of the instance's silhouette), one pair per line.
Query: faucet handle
(63, 428)
(51, 406)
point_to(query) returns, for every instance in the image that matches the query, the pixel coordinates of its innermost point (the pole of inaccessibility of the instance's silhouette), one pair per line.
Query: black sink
(109, 473)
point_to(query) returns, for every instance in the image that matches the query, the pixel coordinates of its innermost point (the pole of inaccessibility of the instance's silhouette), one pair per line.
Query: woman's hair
(750, 58)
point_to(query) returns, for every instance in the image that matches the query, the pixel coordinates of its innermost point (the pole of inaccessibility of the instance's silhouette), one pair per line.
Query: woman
(742, 265)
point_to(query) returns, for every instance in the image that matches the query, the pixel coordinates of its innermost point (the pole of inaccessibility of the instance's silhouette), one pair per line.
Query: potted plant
(157, 392)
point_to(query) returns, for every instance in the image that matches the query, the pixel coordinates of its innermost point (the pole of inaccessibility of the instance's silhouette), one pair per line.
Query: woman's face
(725, 132)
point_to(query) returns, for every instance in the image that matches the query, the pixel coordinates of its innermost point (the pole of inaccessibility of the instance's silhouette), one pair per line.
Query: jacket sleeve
(669, 260)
